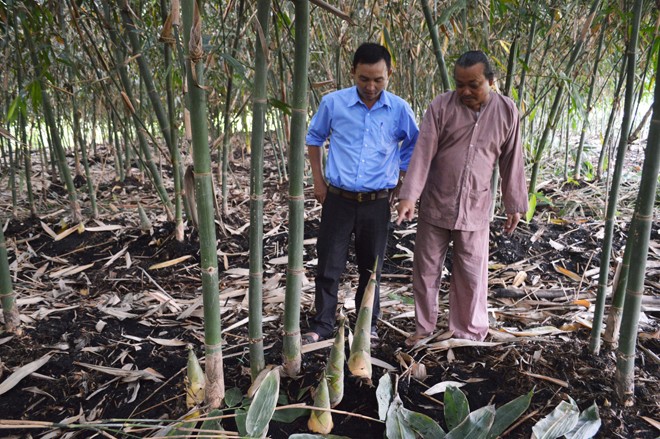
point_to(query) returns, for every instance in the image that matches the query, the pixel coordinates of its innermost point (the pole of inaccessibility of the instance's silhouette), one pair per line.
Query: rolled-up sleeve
(409, 134)
(319, 126)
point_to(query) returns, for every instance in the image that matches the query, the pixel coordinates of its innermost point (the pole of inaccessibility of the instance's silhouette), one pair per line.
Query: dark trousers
(341, 217)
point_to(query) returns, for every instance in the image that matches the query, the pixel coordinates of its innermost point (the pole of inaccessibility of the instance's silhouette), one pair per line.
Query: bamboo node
(213, 348)
(257, 274)
(256, 197)
(296, 197)
(295, 270)
(291, 334)
(256, 340)
(643, 217)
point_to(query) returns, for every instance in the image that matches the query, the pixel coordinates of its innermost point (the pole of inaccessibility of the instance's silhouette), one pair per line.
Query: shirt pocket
(385, 137)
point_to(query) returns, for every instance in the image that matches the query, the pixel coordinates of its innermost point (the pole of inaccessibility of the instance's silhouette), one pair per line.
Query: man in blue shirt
(372, 135)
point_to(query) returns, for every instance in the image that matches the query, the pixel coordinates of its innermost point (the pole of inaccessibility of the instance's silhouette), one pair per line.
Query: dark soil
(65, 323)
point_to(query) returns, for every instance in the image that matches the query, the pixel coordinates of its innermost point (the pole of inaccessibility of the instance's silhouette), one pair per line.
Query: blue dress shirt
(364, 153)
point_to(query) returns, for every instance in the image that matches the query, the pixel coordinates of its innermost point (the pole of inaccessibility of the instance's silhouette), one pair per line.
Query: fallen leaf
(170, 262)
(22, 372)
(568, 273)
(441, 387)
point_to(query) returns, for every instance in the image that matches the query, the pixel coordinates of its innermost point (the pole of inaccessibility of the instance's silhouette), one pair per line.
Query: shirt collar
(383, 100)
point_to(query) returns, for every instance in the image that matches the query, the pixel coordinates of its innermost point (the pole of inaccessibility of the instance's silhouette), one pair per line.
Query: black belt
(360, 196)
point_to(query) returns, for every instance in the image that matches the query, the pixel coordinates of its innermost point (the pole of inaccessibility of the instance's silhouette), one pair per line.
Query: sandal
(310, 337)
(414, 339)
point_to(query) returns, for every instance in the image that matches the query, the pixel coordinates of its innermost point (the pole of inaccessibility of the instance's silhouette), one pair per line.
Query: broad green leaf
(508, 413)
(423, 425)
(282, 106)
(384, 395)
(263, 404)
(316, 436)
(531, 209)
(457, 407)
(211, 425)
(475, 426)
(561, 421)
(287, 416)
(396, 426)
(587, 425)
(233, 397)
(240, 418)
(181, 429)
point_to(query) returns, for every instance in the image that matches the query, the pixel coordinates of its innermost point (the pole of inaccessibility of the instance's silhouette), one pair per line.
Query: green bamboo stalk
(595, 341)
(296, 159)
(639, 241)
(78, 138)
(192, 23)
(257, 361)
(587, 111)
(616, 101)
(140, 129)
(552, 117)
(437, 48)
(7, 295)
(227, 111)
(175, 154)
(51, 122)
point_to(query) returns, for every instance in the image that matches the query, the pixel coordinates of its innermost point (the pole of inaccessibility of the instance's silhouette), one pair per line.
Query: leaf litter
(122, 304)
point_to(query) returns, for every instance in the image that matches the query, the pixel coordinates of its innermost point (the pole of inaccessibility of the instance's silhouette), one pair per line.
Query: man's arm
(316, 161)
(514, 187)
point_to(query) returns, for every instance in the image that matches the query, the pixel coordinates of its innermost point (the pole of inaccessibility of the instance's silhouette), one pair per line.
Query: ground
(137, 320)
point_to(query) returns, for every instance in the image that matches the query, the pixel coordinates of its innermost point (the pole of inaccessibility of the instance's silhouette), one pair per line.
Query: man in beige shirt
(463, 135)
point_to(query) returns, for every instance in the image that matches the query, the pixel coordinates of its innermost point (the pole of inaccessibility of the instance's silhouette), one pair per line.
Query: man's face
(371, 80)
(472, 86)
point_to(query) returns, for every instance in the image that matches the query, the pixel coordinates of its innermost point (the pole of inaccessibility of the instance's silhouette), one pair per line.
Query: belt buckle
(360, 197)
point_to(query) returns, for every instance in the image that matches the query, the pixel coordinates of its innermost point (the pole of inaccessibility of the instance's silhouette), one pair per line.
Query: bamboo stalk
(192, 21)
(295, 270)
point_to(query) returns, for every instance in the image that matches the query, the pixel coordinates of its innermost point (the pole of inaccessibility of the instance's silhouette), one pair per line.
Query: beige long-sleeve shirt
(454, 158)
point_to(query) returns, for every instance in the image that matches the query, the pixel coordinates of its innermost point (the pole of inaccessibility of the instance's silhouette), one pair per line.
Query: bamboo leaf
(396, 427)
(561, 421)
(442, 387)
(587, 425)
(457, 408)
(424, 425)
(287, 416)
(508, 413)
(170, 262)
(475, 426)
(263, 404)
(22, 372)
(316, 436)
(384, 393)
(531, 208)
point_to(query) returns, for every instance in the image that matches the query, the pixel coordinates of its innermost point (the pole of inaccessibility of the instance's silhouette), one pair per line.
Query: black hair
(371, 53)
(468, 59)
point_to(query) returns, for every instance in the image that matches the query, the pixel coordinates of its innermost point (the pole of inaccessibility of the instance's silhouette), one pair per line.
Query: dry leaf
(22, 372)
(568, 273)
(441, 387)
(170, 262)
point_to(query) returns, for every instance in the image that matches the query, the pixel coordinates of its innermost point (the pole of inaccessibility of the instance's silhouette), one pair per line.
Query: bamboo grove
(154, 81)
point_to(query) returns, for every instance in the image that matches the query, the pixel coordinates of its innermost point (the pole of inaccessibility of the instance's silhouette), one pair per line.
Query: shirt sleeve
(319, 126)
(512, 170)
(410, 132)
(426, 148)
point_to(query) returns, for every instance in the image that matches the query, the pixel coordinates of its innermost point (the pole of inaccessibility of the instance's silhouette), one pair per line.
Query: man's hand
(406, 211)
(320, 190)
(512, 220)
